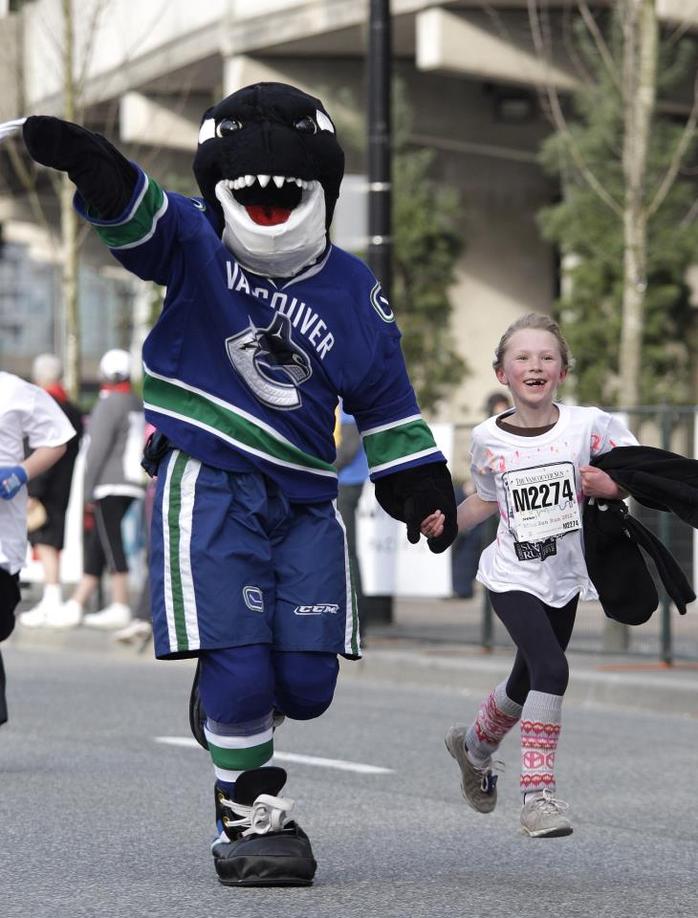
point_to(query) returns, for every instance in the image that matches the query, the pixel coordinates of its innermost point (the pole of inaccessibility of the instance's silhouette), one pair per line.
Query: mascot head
(269, 165)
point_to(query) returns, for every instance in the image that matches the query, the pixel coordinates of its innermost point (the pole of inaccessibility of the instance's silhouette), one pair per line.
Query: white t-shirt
(537, 486)
(26, 411)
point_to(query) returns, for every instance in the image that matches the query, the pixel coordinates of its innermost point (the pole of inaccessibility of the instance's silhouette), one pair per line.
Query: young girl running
(531, 464)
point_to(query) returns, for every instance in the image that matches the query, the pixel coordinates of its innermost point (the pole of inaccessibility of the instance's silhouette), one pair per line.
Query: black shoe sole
(290, 873)
(281, 881)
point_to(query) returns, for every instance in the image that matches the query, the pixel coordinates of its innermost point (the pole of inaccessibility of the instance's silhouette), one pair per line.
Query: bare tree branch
(28, 180)
(687, 136)
(600, 43)
(690, 214)
(678, 33)
(86, 51)
(571, 50)
(497, 21)
(560, 121)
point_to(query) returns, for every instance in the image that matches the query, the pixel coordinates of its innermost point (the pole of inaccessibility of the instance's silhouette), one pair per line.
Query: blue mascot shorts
(232, 562)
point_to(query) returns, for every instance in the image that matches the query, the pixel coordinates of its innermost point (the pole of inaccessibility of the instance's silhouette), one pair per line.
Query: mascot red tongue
(265, 325)
(266, 215)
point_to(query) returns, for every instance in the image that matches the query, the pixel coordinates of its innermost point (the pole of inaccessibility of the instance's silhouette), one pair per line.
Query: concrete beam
(161, 121)
(679, 11)
(242, 70)
(456, 44)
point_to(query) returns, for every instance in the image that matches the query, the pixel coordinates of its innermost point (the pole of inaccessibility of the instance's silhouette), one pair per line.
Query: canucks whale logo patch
(270, 362)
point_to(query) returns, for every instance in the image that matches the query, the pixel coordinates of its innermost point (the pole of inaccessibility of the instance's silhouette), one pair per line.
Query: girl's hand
(597, 483)
(433, 525)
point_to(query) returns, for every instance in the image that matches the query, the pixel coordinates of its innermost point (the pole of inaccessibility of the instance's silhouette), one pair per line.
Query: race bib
(542, 501)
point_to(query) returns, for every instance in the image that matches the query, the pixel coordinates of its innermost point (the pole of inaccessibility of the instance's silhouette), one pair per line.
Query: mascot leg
(258, 843)
(304, 683)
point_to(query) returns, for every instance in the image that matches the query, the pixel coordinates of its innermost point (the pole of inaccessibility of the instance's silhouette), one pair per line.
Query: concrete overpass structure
(149, 69)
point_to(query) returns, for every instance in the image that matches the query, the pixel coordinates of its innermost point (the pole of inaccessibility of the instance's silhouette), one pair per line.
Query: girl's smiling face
(532, 367)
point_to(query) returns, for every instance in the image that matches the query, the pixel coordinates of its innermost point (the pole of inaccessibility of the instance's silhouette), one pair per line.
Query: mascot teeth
(247, 181)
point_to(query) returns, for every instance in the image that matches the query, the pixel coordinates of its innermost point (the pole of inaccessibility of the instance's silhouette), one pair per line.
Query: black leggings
(541, 634)
(103, 545)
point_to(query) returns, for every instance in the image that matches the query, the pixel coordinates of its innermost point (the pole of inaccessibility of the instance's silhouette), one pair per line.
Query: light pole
(379, 609)
(379, 68)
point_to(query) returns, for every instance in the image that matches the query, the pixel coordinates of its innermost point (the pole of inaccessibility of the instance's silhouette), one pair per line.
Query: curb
(456, 668)
(90, 640)
(673, 691)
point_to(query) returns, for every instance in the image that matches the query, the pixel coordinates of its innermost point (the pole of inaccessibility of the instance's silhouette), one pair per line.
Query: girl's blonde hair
(540, 322)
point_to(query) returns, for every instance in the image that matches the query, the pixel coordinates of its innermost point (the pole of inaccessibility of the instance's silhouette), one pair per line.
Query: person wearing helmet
(113, 480)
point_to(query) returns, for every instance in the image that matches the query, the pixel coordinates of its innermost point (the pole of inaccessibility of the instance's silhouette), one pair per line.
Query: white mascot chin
(281, 250)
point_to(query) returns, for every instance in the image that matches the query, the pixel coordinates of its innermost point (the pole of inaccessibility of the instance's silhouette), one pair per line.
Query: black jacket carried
(658, 479)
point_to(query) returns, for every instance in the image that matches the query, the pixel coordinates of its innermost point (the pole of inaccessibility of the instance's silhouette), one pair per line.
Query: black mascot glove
(104, 177)
(412, 495)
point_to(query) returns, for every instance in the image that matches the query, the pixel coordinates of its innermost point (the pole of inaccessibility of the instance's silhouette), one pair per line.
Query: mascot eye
(227, 126)
(306, 125)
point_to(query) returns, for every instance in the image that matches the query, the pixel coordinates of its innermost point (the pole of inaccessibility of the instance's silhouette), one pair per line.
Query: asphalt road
(101, 819)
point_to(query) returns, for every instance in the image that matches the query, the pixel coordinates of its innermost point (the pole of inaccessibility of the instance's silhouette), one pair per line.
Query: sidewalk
(438, 642)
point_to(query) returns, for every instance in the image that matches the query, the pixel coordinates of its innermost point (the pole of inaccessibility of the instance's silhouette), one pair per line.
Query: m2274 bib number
(542, 501)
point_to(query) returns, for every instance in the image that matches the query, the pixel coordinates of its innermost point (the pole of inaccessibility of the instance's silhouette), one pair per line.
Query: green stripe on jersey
(354, 616)
(241, 759)
(173, 511)
(196, 408)
(140, 225)
(398, 444)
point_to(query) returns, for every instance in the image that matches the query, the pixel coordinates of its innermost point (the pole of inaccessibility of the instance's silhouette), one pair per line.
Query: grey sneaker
(542, 817)
(479, 785)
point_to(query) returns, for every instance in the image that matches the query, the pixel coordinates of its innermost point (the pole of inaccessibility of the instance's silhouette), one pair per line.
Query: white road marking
(320, 762)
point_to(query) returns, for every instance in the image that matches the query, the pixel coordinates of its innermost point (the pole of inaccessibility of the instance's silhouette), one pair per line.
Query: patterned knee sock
(238, 747)
(497, 715)
(540, 731)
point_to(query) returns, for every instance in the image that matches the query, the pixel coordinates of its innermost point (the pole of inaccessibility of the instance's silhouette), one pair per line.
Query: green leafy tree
(427, 244)
(589, 230)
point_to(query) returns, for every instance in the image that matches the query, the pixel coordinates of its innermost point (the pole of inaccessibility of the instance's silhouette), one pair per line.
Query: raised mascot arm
(103, 176)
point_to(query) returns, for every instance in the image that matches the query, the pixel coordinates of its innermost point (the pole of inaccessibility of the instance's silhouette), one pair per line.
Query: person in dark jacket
(49, 494)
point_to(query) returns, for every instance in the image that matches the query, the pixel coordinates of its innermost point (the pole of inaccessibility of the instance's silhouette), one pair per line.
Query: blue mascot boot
(259, 844)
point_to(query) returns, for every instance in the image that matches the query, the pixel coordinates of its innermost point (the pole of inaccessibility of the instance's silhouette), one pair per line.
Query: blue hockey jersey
(242, 372)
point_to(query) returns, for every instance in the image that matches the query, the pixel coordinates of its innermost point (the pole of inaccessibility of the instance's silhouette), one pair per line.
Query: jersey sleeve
(382, 400)
(609, 431)
(44, 424)
(145, 237)
(480, 473)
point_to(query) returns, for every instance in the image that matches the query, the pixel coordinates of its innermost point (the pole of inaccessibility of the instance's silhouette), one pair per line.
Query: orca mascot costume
(265, 325)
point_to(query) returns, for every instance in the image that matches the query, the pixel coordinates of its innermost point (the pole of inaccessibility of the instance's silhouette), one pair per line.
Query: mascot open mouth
(268, 200)
(269, 166)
